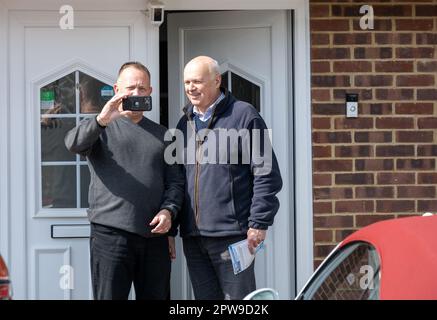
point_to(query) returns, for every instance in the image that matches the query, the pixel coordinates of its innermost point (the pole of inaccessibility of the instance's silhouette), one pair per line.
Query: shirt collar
(210, 109)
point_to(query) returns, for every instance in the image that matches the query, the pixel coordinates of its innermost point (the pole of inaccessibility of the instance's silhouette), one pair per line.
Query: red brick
(365, 220)
(329, 25)
(393, 38)
(394, 66)
(394, 94)
(394, 123)
(376, 136)
(320, 67)
(427, 123)
(328, 108)
(395, 151)
(374, 164)
(395, 206)
(427, 151)
(322, 179)
(414, 53)
(332, 193)
(427, 94)
(352, 38)
(392, 10)
(427, 66)
(332, 137)
(376, 108)
(395, 178)
(319, 11)
(353, 151)
(354, 123)
(319, 39)
(330, 53)
(333, 222)
(373, 80)
(353, 178)
(320, 95)
(332, 165)
(427, 206)
(414, 136)
(426, 38)
(414, 108)
(373, 53)
(374, 192)
(427, 177)
(330, 81)
(415, 164)
(363, 94)
(352, 66)
(417, 80)
(426, 10)
(321, 123)
(416, 192)
(344, 10)
(321, 151)
(414, 25)
(322, 207)
(323, 236)
(357, 206)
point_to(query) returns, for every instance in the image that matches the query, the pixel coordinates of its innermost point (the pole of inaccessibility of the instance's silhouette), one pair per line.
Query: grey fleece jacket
(130, 181)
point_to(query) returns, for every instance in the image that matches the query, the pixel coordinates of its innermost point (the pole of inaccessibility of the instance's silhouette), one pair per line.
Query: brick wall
(382, 164)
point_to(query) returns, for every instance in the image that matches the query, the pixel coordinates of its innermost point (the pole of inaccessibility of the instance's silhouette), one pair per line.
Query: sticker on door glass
(47, 99)
(106, 93)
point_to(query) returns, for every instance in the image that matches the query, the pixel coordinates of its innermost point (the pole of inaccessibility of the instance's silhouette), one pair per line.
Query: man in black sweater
(134, 194)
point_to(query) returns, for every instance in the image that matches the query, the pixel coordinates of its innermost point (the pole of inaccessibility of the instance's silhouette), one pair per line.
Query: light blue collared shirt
(208, 114)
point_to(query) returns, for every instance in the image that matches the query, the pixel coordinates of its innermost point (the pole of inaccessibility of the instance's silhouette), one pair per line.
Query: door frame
(300, 174)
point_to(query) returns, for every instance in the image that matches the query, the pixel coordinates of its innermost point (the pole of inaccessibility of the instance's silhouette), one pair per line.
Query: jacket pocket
(216, 207)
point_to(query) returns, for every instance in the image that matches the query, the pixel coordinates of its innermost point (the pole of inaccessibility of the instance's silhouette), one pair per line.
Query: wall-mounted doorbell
(351, 105)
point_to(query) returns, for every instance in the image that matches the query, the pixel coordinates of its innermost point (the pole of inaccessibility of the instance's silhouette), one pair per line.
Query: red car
(389, 260)
(5, 283)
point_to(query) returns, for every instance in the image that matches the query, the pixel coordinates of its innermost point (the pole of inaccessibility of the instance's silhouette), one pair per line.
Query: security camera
(156, 12)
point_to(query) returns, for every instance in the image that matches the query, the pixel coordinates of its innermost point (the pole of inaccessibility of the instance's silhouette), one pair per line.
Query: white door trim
(4, 138)
(302, 115)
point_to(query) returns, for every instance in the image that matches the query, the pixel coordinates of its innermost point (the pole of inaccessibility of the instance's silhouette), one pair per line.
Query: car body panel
(407, 248)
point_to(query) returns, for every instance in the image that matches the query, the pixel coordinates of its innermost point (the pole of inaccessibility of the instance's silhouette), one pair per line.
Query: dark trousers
(210, 269)
(120, 258)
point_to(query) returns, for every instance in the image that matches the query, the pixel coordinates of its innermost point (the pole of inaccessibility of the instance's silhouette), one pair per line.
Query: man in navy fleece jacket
(225, 201)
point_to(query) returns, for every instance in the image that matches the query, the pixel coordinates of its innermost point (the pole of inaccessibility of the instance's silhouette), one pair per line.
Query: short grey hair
(214, 67)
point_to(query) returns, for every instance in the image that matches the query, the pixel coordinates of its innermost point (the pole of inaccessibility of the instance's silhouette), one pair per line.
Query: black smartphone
(137, 103)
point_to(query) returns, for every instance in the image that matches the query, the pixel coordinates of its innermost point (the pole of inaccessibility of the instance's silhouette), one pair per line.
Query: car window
(353, 273)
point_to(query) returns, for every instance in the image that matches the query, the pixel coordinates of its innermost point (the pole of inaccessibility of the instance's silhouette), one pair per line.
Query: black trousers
(120, 258)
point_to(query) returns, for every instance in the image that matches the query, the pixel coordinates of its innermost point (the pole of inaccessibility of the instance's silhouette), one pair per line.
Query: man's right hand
(112, 110)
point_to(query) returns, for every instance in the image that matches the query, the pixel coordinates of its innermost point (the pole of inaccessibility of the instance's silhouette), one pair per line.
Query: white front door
(56, 78)
(253, 50)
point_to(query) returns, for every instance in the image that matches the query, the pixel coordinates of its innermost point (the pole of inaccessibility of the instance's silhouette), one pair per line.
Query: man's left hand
(254, 238)
(162, 221)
